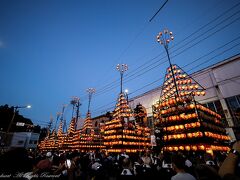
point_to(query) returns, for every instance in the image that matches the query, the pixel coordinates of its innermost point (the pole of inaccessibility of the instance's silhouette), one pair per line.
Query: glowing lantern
(193, 125)
(181, 148)
(189, 135)
(183, 136)
(181, 127)
(192, 106)
(194, 148)
(187, 148)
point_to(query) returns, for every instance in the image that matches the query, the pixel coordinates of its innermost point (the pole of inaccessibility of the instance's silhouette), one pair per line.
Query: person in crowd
(188, 164)
(147, 161)
(44, 165)
(126, 164)
(206, 172)
(67, 168)
(138, 167)
(97, 169)
(230, 167)
(15, 160)
(178, 164)
(208, 158)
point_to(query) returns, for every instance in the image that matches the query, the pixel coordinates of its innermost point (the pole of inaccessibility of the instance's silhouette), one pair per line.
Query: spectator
(229, 167)
(127, 170)
(206, 172)
(44, 165)
(15, 160)
(147, 161)
(178, 164)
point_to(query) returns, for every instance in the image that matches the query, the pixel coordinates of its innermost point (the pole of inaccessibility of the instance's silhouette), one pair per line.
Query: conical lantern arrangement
(181, 122)
(86, 139)
(49, 143)
(121, 134)
(44, 144)
(61, 137)
(67, 144)
(184, 124)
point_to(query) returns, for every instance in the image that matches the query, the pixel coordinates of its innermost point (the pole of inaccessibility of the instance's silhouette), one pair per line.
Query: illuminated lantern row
(185, 85)
(71, 128)
(181, 122)
(86, 139)
(82, 140)
(49, 143)
(61, 137)
(121, 134)
(87, 123)
(69, 137)
(196, 147)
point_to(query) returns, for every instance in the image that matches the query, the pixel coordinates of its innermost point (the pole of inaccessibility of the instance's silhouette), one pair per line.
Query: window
(217, 107)
(211, 106)
(234, 107)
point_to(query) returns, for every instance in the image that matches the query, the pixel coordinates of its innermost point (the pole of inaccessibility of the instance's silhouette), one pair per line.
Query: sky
(52, 50)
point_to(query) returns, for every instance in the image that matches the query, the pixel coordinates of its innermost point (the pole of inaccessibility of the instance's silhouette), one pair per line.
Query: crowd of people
(73, 165)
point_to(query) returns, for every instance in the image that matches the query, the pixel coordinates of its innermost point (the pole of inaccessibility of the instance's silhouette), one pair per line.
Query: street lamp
(164, 39)
(15, 108)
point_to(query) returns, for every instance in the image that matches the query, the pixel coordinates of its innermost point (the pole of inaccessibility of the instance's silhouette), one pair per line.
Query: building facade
(26, 140)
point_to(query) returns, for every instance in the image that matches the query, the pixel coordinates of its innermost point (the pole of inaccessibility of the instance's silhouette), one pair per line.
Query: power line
(104, 90)
(188, 65)
(160, 63)
(139, 33)
(158, 10)
(111, 85)
(207, 24)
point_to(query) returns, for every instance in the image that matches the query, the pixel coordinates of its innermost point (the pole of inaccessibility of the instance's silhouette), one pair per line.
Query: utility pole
(15, 108)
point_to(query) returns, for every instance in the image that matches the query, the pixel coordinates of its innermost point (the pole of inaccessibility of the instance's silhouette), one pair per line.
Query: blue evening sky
(51, 50)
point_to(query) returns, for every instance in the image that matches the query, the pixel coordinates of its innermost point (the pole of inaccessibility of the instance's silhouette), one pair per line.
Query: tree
(6, 114)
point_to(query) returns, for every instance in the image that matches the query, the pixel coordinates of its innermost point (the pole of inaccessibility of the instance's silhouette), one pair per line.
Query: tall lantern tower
(121, 133)
(181, 123)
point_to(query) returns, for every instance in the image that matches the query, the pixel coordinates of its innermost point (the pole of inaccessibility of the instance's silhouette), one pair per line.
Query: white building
(222, 84)
(26, 140)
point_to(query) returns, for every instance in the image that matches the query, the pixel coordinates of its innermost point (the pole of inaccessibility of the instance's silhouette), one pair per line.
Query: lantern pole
(121, 68)
(164, 39)
(90, 92)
